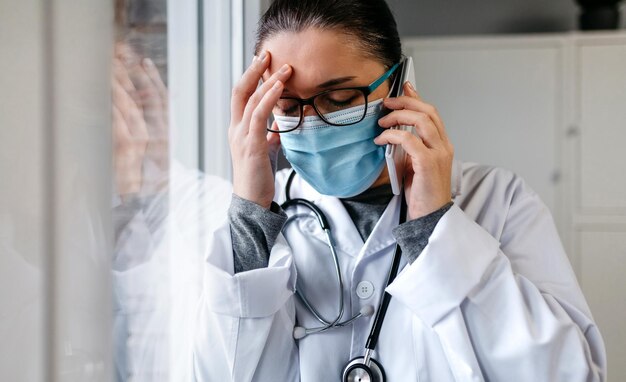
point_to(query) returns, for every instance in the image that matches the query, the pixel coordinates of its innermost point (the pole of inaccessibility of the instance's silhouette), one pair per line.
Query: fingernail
(277, 85)
(263, 55)
(411, 86)
(284, 69)
(147, 62)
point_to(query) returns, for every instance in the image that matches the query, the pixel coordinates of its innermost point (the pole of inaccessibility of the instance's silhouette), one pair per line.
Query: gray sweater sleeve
(253, 231)
(413, 235)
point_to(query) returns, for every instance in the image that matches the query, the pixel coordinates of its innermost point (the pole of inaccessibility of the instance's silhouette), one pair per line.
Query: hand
(140, 108)
(428, 155)
(251, 145)
(130, 135)
(152, 97)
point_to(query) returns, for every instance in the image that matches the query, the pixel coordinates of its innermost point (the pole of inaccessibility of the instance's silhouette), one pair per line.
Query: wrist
(263, 202)
(418, 212)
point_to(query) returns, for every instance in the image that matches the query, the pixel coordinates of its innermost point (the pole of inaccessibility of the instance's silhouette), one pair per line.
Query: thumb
(273, 141)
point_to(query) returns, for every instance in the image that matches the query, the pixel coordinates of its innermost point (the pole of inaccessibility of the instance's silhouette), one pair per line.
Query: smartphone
(395, 154)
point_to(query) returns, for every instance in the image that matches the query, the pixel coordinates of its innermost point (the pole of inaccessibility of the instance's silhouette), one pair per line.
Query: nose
(308, 110)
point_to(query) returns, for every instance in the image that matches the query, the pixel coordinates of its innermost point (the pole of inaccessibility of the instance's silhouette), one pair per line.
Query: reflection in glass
(162, 211)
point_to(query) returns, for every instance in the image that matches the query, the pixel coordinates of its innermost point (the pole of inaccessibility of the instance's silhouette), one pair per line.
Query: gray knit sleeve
(253, 230)
(413, 235)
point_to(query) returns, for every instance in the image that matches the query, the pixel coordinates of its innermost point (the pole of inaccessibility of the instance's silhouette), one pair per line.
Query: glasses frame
(366, 90)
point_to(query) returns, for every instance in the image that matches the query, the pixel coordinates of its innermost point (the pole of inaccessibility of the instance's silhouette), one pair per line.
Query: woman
(484, 290)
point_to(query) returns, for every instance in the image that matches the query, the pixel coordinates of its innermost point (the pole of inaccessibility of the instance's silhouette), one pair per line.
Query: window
(174, 66)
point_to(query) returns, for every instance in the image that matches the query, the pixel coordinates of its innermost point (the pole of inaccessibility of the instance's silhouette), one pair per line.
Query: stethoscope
(359, 369)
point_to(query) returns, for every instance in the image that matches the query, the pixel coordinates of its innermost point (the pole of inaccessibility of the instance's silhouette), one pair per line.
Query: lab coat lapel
(346, 237)
(381, 236)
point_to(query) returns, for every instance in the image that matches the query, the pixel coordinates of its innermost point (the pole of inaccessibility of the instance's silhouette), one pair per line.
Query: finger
(413, 103)
(424, 126)
(123, 79)
(120, 129)
(149, 94)
(121, 74)
(431, 110)
(273, 139)
(247, 85)
(155, 77)
(411, 144)
(118, 48)
(258, 120)
(151, 102)
(126, 54)
(411, 91)
(137, 123)
(121, 99)
(281, 75)
(129, 111)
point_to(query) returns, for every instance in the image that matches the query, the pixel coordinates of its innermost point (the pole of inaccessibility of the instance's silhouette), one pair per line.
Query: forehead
(318, 55)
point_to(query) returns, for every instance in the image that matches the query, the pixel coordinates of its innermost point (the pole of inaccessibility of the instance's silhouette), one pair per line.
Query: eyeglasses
(328, 102)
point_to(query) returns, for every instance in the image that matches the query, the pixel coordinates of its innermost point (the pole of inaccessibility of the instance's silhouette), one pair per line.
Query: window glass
(164, 207)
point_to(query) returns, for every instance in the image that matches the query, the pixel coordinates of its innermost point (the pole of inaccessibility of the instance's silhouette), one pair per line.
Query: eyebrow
(330, 83)
(335, 81)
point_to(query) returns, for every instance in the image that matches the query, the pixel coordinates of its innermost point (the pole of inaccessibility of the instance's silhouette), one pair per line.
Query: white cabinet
(552, 108)
(602, 120)
(499, 100)
(598, 185)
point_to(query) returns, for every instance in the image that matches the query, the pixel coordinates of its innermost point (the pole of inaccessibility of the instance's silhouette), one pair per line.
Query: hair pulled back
(369, 22)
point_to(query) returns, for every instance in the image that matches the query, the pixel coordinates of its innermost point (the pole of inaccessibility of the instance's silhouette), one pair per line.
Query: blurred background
(114, 163)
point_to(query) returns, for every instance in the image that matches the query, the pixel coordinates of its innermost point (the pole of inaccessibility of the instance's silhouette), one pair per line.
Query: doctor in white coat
(484, 291)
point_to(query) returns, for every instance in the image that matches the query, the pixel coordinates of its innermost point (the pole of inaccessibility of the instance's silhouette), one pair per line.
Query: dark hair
(370, 22)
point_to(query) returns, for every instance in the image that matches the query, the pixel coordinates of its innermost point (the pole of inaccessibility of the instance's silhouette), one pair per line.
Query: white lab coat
(491, 298)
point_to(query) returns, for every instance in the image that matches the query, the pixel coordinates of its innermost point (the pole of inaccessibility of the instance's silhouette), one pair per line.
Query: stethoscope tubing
(326, 227)
(374, 334)
(372, 339)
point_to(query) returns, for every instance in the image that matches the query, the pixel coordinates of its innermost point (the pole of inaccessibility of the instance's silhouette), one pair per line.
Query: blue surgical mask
(341, 161)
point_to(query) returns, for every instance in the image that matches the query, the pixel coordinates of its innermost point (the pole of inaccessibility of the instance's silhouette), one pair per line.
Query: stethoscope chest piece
(357, 371)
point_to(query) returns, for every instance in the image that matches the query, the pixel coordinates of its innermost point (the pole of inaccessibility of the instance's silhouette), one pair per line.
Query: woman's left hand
(429, 155)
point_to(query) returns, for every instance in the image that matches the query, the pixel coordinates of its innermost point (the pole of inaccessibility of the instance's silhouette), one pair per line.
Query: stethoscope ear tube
(318, 213)
(321, 217)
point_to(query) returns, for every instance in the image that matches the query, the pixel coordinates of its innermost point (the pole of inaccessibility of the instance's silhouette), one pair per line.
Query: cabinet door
(602, 100)
(599, 202)
(500, 101)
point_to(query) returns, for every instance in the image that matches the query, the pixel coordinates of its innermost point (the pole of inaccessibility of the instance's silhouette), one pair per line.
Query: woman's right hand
(250, 143)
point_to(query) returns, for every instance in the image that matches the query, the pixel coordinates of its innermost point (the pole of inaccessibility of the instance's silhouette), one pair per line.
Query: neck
(382, 179)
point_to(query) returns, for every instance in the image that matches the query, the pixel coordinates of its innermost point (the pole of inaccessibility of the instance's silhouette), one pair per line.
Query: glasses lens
(330, 103)
(287, 107)
(287, 111)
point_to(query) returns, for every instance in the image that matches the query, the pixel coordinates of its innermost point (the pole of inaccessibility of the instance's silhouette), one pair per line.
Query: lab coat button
(364, 289)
